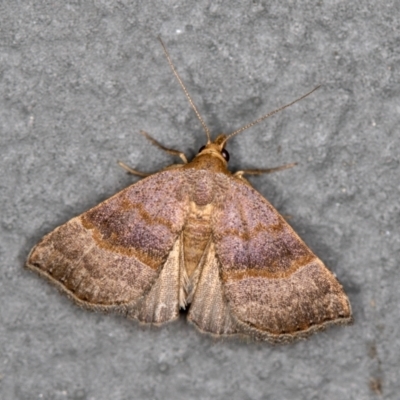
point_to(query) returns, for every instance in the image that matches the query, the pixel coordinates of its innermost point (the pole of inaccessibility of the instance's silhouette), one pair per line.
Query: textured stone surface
(77, 81)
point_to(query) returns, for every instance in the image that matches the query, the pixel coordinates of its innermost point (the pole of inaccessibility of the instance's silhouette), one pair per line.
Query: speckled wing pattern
(194, 237)
(123, 254)
(276, 288)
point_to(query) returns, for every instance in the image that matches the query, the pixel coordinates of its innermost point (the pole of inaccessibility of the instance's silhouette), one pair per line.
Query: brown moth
(195, 235)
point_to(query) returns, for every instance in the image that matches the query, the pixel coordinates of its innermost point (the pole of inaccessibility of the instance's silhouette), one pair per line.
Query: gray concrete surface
(78, 80)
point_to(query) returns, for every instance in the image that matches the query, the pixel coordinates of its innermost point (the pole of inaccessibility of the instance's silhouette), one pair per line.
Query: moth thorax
(196, 235)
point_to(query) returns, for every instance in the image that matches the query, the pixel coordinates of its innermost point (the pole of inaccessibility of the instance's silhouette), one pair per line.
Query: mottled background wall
(79, 79)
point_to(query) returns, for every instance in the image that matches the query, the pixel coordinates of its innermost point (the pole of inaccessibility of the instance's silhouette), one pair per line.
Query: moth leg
(145, 174)
(167, 150)
(240, 174)
(133, 171)
(159, 145)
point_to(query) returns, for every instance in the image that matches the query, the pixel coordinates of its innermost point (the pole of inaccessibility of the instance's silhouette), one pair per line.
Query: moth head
(216, 148)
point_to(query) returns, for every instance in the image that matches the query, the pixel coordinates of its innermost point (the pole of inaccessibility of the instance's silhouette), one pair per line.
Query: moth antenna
(257, 121)
(205, 127)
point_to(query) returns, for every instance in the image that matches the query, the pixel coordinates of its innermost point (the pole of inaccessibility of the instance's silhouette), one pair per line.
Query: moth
(197, 236)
